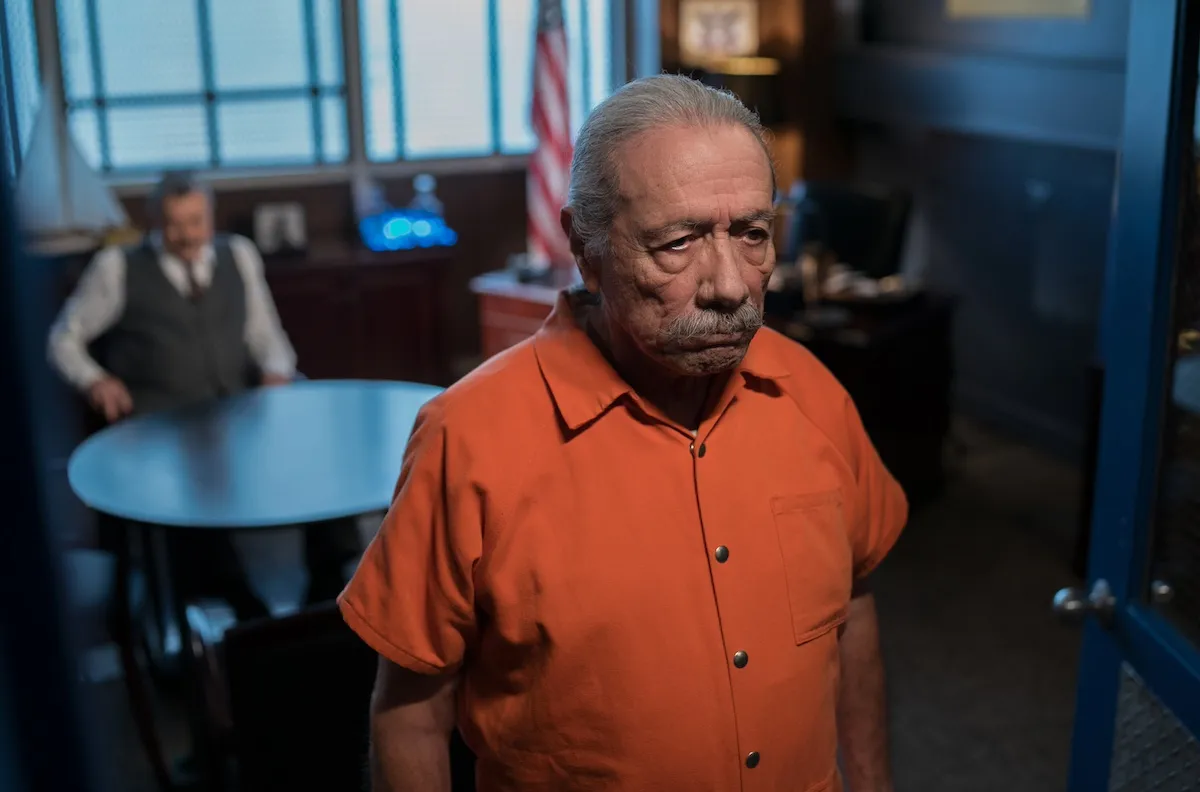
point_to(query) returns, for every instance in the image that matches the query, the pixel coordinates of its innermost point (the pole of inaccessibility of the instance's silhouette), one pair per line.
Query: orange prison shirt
(633, 606)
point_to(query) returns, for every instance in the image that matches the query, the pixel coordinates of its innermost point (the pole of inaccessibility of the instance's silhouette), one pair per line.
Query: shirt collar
(582, 382)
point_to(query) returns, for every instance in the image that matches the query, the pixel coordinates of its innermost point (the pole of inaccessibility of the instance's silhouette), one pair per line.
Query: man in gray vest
(186, 317)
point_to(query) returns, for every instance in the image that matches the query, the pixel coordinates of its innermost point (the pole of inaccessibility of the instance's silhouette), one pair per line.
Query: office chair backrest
(299, 696)
(864, 226)
(299, 692)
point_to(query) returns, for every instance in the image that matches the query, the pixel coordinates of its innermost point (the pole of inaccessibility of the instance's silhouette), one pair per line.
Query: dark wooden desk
(897, 364)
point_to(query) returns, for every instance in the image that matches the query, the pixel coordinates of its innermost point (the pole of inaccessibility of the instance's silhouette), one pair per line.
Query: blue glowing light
(397, 227)
(404, 229)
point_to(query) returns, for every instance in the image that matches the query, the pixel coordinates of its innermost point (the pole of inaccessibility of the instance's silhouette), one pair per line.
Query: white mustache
(747, 318)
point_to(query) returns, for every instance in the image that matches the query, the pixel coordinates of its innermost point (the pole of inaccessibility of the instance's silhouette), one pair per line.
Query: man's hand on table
(270, 380)
(109, 397)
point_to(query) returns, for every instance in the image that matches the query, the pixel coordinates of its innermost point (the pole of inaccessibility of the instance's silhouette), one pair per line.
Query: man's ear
(587, 269)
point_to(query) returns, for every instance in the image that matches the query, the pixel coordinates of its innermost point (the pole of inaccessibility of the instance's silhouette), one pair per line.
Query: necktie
(195, 290)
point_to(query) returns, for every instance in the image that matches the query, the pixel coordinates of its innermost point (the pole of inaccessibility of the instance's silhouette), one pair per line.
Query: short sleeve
(412, 596)
(882, 508)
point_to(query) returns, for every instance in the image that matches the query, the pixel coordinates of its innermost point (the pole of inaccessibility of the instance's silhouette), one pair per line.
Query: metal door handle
(1072, 605)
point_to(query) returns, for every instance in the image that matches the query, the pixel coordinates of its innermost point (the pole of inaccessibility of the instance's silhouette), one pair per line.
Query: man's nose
(723, 285)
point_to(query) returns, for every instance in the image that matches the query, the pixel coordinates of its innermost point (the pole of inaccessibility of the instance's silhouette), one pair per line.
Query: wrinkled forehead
(711, 174)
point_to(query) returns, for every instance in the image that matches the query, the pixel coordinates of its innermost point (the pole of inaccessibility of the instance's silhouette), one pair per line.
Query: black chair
(864, 226)
(288, 702)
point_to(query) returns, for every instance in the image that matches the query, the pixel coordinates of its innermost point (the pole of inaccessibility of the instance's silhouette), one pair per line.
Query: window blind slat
(157, 137)
(267, 132)
(149, 46)
(253, 49)
(444, 67)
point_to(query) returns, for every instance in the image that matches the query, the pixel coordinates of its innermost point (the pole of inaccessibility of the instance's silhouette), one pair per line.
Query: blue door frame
(1138, 341)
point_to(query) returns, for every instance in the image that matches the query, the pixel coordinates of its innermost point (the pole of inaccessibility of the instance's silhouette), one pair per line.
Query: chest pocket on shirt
(817, 560)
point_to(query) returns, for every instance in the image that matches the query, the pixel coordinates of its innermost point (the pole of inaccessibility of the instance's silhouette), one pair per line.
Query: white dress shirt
(99, 301)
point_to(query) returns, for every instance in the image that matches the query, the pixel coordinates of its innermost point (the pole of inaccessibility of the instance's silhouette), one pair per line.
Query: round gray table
(290, 455)
(300, 453)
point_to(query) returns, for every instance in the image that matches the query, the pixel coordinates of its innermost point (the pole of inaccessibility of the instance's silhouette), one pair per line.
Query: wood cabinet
(511, 311)
(353, 314)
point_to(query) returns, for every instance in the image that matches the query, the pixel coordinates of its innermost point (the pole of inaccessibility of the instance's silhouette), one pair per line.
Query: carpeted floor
(981, 676)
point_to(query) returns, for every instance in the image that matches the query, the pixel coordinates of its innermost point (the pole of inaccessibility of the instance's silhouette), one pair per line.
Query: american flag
(550, 165)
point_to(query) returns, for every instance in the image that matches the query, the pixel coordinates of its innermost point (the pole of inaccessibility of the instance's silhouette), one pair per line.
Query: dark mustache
(746, 319)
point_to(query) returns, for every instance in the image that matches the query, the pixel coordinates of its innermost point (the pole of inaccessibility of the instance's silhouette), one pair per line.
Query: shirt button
(740, 659)
(752, 759)
(700, 451)
(721, 554)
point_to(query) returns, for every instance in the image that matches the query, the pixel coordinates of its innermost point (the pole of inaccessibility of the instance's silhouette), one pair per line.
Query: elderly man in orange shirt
(628, 554)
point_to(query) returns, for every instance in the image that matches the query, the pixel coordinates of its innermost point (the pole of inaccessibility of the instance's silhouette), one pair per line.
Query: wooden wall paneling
(327, 208)
(781, 36)
(827, 152)
(396, 314)
(317, 310)
(668, 31)
(488, 212)
(364, 315)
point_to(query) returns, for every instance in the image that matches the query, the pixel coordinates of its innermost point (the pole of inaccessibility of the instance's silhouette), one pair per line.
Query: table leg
(158, 598)
(135, 684)
(208, 775)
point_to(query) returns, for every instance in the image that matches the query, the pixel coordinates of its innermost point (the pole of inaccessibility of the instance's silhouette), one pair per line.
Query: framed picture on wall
(712, 30)
(279, 228)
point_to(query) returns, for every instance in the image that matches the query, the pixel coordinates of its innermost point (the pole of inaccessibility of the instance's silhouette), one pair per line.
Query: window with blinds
(204, 83)
(436, 89)
(152, 84)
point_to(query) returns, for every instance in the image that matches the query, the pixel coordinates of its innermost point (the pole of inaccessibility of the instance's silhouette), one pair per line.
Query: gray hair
(174, 184)
(638, 107)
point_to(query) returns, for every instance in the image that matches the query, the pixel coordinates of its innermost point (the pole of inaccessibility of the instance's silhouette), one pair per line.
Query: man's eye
(757, 235)
(678, 245)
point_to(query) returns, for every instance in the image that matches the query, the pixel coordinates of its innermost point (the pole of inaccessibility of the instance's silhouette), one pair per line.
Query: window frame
(8, 126)
(497, 112)
(208, 99)
(11, 137)
(634, 52)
